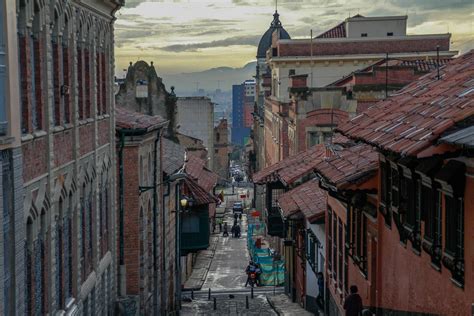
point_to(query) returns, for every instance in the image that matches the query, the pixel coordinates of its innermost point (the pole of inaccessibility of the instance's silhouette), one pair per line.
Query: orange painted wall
(406, 281)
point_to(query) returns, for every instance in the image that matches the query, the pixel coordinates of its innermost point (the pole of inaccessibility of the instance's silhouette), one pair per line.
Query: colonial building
(300, 112)
(423, 136)
(143, 91)
(66, 53)
(221, 149)
(139, 161)
(349, 176)
(304, 209)
(196, 119)
(12, 220)
(263, 87)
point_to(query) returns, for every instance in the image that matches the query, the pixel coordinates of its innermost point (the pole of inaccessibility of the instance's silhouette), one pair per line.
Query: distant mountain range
(209, 80)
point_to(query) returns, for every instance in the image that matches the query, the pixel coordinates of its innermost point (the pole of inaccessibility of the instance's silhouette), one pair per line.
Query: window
(313, 139)
(389, 33)
(346, 263)
(454, 239)
(340, 250)
(190, 224)
(395, 183)
(291, 72)
(363, 35)
(312, 243)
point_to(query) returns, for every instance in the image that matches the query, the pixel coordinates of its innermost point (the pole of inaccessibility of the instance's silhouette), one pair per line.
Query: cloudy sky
(194, 35)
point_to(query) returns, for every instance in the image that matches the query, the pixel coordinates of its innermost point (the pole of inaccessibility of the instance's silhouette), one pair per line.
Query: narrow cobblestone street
(226, 278)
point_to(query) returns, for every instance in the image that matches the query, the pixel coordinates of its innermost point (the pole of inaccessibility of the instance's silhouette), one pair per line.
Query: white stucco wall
(196, 119)
(377, 26)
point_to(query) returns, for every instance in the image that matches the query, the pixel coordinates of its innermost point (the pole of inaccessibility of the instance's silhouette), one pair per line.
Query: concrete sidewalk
(201, 267)
(283, 306)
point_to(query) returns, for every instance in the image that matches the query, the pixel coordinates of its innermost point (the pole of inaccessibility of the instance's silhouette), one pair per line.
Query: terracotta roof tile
(126, 119)
(414, 118)
(173, 156)
(199, 194)
(294, 167)
(307, 198)
(336, 32)
(196, 168)
(349, 165)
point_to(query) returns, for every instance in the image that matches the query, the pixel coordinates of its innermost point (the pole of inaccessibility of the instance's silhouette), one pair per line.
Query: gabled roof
(414, 119)
(199, 194)
(336, 32)
(296, 166)
(307, 198)
(126, 119)
(292, 168)
(197, 169)
(173, 156)
(348, 166)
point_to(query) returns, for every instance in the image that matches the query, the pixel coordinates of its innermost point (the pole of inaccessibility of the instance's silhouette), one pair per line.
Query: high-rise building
(243, 99)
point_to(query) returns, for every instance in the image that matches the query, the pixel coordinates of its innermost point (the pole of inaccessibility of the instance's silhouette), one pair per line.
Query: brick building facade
(221, 149)
(67, 124)
(139, 164)
(12, 224)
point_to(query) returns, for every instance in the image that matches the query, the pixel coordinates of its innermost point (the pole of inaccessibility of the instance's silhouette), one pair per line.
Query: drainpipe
(155, 225)
(163, 271)
(178, 249)
(121, 272)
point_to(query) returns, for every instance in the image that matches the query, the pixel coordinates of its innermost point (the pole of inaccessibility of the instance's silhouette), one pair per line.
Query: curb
(272, 305)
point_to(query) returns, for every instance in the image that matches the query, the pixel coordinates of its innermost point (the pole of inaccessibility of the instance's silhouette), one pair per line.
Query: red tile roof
(308, 198)
(336, 32)
(126, 119)
(348, 46)
(414, 118)
(348, 166)
(198, 193)
(173, 156)
(197, 169)
(294, 167)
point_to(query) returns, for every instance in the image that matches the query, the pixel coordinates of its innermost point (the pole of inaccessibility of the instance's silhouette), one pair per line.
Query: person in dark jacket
(353, 302)
(320, 298)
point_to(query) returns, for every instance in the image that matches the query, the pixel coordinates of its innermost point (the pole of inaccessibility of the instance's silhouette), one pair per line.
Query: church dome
(266, 40)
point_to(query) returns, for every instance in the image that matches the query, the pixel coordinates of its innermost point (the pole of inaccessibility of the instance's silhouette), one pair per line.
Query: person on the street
(250, 268)
(213, 225)
(320, 298)
(258, 272)
(237, 231)
(353, 302)
(236, 216)
(226, 232)
(240, 216)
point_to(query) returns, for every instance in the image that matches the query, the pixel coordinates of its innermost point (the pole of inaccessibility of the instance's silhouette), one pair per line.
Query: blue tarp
(273, 272)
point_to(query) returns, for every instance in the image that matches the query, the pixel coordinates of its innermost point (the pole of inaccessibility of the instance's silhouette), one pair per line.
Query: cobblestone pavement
(230, 259)
(228, 306)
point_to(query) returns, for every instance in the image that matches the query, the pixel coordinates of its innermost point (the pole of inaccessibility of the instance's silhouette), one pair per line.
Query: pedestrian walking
(226, 233)
(353, 302)
(237, 231)
(320, 297)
